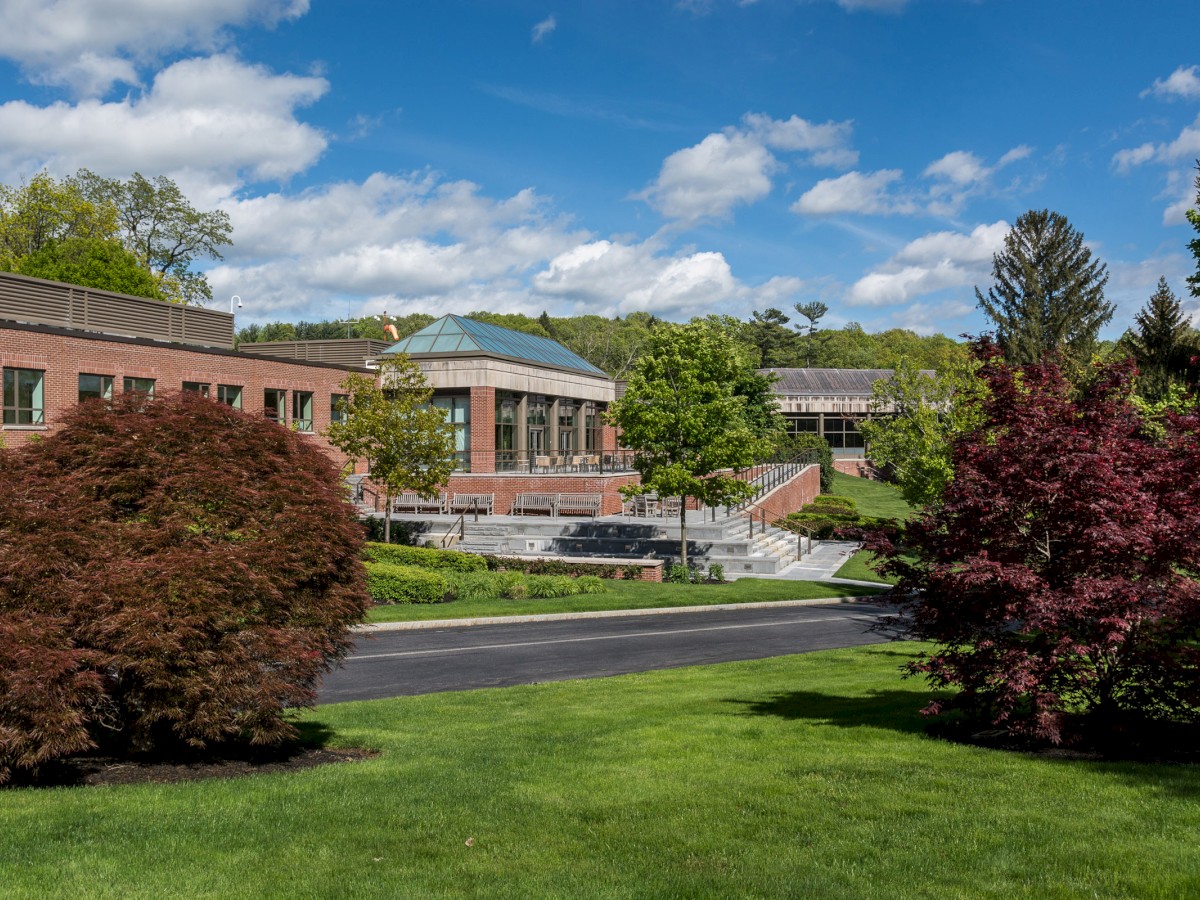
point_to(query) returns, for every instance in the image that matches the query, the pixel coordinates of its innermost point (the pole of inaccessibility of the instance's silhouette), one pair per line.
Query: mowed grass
(803, 776)
(624, 595)
(874, 498)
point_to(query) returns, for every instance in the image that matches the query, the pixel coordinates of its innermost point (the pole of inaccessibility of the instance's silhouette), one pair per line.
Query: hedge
(390, 583)
(542, 566)
(425, 557)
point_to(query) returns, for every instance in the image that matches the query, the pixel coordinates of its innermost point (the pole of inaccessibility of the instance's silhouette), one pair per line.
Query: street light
(232, 300)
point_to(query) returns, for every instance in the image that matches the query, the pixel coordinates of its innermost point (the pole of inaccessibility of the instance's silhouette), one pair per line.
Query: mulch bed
(1150, 742)
(92, 770)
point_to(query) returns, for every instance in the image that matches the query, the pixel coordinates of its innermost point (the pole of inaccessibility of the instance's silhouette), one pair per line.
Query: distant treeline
(615, 344)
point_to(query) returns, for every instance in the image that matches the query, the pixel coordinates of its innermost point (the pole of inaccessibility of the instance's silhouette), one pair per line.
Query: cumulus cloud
(91, 44)
(211, 123)
(618, 278)
(735, 166)
(1181, 84)
(954, 178)
(931, 263)
(854, 192)
(544, 29)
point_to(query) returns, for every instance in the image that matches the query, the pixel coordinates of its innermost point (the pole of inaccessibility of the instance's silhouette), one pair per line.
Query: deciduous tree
(171, 573)
(43, 212)
(91, 262)
(408, 445)
(1048, 296)
(1058, 575)
(681, 413)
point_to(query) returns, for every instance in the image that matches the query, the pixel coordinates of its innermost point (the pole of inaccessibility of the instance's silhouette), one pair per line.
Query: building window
(457, 411)
(142, 385)
(196, 387)
(803, 424)
(337, 408)
(230, 395)
(302, 410)
(23, 393)
(275, 404)
(592, 424)
(95, 387)
(843, 434)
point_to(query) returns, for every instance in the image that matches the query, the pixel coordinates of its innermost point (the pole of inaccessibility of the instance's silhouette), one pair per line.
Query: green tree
(159, 225)
(408, 445)
(681, 414)
(774, 342)
(1193, 216)
(814, 311)
(90, 262)
(512, 321)
(43, 212)
(1162, 344)
(919, 417)
(1048, 296)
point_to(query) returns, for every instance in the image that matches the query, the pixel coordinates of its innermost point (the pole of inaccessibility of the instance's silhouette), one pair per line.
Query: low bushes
(832, 517)
(425, 557)
(391, 583)
(629, 572)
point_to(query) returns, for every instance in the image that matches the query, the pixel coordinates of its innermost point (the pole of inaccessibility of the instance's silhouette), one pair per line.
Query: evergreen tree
(1162, 343)
(1193, 216)
(1049, 292)
(814, 312)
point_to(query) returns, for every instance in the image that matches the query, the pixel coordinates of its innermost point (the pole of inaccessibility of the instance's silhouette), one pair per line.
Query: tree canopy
(91, 262)
(408, 444)
(1048, 296)
(1162, 343)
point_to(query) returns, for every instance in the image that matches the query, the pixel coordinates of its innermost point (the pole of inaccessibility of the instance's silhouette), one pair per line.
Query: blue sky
(682, 158)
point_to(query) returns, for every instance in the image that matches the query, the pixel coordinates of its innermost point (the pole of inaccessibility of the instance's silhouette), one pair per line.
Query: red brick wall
(64, 357)
(483, 429)
(853, 466)
(791, 495)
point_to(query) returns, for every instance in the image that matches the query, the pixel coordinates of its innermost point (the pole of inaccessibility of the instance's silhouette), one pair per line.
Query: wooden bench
(579, 504)
(412, 501)
(523, 504)
(485, 503)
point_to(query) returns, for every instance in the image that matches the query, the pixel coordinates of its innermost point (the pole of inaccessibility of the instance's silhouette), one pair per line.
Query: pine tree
(1193, 216)
(1162, 343)
(1049, 292)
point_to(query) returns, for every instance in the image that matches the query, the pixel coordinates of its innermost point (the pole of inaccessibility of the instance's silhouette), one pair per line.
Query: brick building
(60, 344)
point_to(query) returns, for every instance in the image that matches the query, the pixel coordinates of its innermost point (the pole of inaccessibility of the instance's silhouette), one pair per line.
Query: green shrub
(543, 587)
(591, 584)
(390, 583)
(477, 585)
(828, 500)
(679, 574)
(426, 558)
(798, 443)
(716, 572)
(631, 573)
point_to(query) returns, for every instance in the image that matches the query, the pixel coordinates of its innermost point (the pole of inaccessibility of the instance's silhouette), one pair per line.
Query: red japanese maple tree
(1058, 575)
(172, 572)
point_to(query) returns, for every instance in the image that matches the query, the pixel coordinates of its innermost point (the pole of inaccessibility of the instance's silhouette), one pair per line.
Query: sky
(679, 157)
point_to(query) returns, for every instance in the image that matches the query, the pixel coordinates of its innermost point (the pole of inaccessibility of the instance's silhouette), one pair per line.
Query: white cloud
(1180, 84)
(211, 123)
(873, 5)
(616, 278)
(544, 29)
(91, 44)
(931, 263)
(735, 166)
(959, 167)
(854, 192)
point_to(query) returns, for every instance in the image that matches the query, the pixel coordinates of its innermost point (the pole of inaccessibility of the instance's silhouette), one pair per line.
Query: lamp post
(234, 299)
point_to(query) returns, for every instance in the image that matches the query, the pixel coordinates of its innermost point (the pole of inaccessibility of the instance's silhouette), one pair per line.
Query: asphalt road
(403, 663)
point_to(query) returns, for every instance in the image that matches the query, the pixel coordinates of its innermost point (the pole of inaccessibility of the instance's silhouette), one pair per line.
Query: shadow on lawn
(894, 710)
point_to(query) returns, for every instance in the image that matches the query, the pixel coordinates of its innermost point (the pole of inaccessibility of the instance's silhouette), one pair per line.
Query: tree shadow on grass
(894, 710)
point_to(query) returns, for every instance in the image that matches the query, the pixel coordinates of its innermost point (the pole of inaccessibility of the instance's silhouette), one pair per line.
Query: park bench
(485, 503)
(410, 501)
(579, 504)
(523, 504)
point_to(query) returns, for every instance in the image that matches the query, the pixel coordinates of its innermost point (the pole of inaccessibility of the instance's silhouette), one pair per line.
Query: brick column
(483, 429)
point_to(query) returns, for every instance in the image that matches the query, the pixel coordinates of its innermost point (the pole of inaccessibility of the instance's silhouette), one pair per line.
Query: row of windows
(24, 397)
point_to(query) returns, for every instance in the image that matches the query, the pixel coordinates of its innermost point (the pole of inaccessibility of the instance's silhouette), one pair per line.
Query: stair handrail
(461, 524)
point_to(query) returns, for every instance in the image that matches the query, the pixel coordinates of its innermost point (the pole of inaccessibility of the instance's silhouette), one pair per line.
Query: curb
(597, 614)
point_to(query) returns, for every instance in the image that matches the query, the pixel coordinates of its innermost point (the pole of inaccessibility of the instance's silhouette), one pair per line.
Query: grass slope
(874, 498)
(798, 776)
(623, 595)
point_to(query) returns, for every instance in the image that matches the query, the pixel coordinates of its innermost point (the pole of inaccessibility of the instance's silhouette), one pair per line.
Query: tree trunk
(387, 515)
(683, 530)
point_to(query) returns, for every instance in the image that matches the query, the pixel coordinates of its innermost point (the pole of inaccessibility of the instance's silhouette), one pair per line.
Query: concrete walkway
(820, 565)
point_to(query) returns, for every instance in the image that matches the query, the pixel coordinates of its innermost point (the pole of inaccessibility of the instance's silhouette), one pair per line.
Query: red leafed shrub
(172, 572)
(1058, 576)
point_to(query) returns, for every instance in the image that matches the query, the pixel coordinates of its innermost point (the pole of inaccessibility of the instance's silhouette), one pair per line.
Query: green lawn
(874, 498)
(804, 776)
(623, 595)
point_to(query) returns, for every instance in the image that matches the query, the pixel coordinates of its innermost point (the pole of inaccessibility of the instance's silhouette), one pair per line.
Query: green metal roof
(466, 337)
